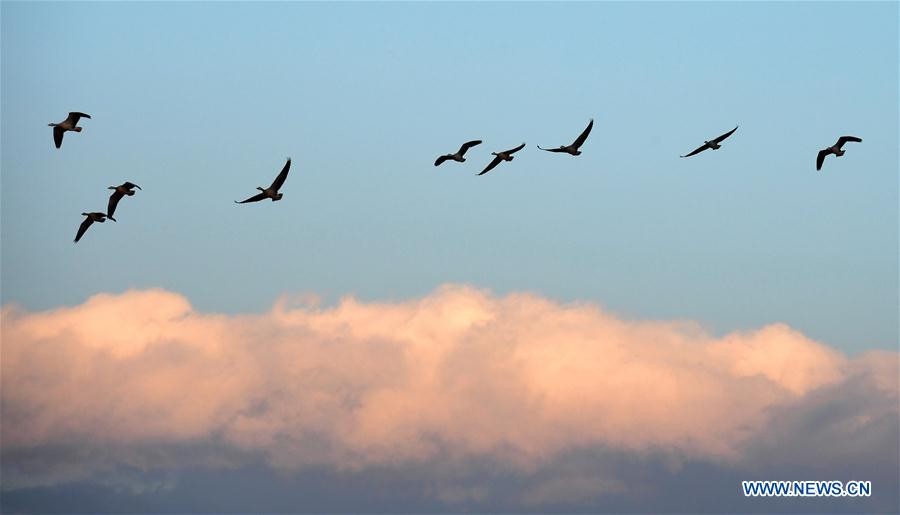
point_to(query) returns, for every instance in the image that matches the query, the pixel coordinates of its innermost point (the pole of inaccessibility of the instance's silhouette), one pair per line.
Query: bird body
(458, 156)
(835, 149)
(119, 191)
(573, 148)
(272, 191)
(713, 144)
(506, 155)
(69, 124)
(91, 218)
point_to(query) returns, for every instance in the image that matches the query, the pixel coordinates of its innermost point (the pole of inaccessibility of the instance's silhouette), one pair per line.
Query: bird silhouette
(272, 191)
(573, 148)
(834, 149)
(69, 124)
(91, 218)
(458, 156)
(713, 144)
(506, 155)
(120, 191)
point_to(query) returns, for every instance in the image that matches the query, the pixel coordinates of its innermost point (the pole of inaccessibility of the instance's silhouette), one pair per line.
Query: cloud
(142, 380)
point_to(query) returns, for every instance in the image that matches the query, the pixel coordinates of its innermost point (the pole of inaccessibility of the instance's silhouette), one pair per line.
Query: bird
(91, 218)
(458, 156)
(714, 144)
(119, 191)
(506, 155)
(834, 149)
(69, 124)
(272, 191)
(573, 148)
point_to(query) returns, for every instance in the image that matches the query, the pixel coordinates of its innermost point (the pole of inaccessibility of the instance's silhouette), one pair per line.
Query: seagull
(91, 218)
(506, 155)
(272, 191)
(573, 148)
(458, 156)
(834, 149)
(714, 144)
(120, 191)
(69, 124)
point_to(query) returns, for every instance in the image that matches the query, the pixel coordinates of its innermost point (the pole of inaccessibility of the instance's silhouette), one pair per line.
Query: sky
(741, 270)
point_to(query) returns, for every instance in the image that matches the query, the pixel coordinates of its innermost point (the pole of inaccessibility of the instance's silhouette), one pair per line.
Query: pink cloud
(459, 372)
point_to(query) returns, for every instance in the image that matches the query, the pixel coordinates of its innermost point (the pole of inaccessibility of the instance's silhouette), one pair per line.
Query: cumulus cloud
(457, 375)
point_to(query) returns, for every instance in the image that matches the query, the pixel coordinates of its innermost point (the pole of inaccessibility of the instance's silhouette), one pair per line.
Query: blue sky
(201, 103)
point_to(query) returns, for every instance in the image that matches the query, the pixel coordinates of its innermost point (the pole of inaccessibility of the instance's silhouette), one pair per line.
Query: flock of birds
(272, 193)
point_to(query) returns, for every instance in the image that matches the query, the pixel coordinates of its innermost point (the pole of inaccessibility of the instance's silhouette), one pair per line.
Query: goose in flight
(506, 155)
(573, 148)
(272, 191)
(119, 191)
(713, 144)
(458, 156)
(91, 218)
(69, 124)
(834, 149)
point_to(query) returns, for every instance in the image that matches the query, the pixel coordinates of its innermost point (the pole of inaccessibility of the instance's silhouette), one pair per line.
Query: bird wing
(723, 136)
(255, 198)
(491, 165)
(514, 150)
(580, 141)
(699, 149)
(821, 158)
(74, 116)
(845, 139)
(279, 181)
(560, 149)
(113, 202)
(58, 136)
(130, 185)
(467, 145)
(83, 227)
(441, 159)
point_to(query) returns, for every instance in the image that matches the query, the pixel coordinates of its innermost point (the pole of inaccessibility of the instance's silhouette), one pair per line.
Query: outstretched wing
(83, 227)
(491, 165)
(723, 136)
(514, 150)
(845, 139)
(255, 198)
(74, 116)
(697, 150)
(551, 149)
(113, 202)
(580, 141)
(279, 181)
(441, 159)
(130, 185)
(821, 158)
(467, 145)
(57, 136)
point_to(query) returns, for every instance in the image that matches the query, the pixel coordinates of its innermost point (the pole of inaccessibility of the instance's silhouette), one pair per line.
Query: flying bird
(272, 191)
(69, 124)
(573, 148)
(458, 156)
(714, 144)
(120, 191)
(506, 155)
(834, 149)
(91, 218)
